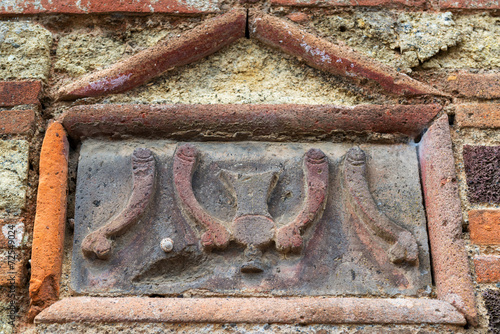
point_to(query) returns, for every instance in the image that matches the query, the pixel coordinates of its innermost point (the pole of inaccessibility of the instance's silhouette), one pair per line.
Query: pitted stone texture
(24, 51)
(13, 175)
(482, 168)
(334, 259)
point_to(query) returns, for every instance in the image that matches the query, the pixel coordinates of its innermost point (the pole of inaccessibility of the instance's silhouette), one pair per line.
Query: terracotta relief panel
(158, 217)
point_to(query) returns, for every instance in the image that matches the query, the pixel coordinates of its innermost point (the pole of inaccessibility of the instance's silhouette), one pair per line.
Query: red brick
(484, 227)
(13, 93)
(94, 6)
(11, 233)
(50, 219)
(478, 115)
(254, 121)
(339, 3)
(12, 267)
(17, 121)
(485, 86)
(252, 310)
(209, 37)
(469, 4)
(336, 59)
(299, 17)
(444, 219)
(487, 268)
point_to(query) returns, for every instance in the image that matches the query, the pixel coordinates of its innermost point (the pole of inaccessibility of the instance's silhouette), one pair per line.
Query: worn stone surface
(252, 310)
(487, 268)
(279, 122)
(13, 269)
(444, 219)
(50, 220)
(358, 263)
(91, 6)
(24, 51)
(478, 115)
(13, 175)
(484, 226)
(492, 303)
(12, 233)
(482, 167)
(13, 93)
(209, 37)
(17, 122)
(439, 40)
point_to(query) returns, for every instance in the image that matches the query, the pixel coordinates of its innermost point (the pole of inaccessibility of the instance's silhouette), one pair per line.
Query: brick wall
(59, 54)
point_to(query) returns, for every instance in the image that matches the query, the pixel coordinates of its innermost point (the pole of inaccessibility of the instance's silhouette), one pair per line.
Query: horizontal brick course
(13, 93)
(484, 86)
(269, 122)
(17, 121)
(487, 268)
(478, 115)
(484, 227)
(339, 3)
(94, 6)
(469, 4)
(252, 310)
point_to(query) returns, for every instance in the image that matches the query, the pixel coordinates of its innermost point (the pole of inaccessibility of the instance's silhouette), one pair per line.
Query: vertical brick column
(444, 218)
(48, 234)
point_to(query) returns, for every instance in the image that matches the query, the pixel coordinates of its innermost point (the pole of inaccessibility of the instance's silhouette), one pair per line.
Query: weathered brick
(12, 233)
(487, 268)
(50, 219)
(339, 3)
(469, 4)
(444, 219)
(13, 93)
(484, 227)
(257, 121)
(93, 6)
(252, 310)
(478, 115)
(205, 39)
(482, 169)
(17, 121)
(486, 86)
(333, 58)
(12, 267)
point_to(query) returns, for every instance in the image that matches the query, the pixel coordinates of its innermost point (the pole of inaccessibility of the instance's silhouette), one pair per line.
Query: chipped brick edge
(444, 220)
(304, 310)
(267, 122)
(48, 232)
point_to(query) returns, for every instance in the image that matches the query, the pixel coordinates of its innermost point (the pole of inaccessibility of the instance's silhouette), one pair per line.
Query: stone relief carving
(286, 220)
(99, 243)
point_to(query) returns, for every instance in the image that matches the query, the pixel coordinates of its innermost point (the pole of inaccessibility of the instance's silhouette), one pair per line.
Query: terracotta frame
(455, 304)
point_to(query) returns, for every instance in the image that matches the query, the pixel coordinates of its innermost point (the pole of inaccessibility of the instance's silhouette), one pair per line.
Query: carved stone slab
(293, 219)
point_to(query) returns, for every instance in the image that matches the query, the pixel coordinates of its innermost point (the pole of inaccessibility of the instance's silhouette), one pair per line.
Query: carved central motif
(252, 225)
(287, 218)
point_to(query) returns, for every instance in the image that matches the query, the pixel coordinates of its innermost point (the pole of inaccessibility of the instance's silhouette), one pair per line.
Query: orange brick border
(50, 219)
(441, 195)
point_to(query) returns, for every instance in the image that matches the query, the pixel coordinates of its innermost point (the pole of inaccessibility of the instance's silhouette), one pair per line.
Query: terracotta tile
(484, 227)
(207, 38)
(48, 234)
(487, 268)
(252, 310)
(253, 121)
(17, 122)
(14, 93)
(444, 219)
